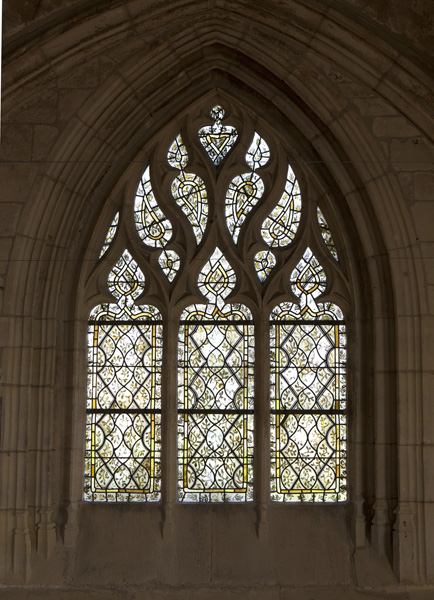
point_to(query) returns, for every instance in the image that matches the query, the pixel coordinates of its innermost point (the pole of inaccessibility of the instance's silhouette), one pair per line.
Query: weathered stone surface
(44, 136)
(91, 89)
(373, 107)
(9, 214)
(85, 75)
(423, 216)
(394, 127)
(5, 249)
(16, 142)
(39, 107)
(429, 508)
(70, 101)
(424, 186)
(412, 155)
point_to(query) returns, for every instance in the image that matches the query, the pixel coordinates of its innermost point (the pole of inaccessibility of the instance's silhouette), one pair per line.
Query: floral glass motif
(215, 398)
(152, 226)
(123, 417)
(308, 393)
(245, 190)
(217, 139)
(110, 235)
(264, 263)
(188, 189)
(169, 261)
(326, 233)
(280, 227)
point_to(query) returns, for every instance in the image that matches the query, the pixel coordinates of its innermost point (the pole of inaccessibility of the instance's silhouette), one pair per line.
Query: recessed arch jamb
(70, 173)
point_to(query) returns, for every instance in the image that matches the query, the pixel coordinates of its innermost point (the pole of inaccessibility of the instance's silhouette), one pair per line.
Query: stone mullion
(262, 422)
(169, 463)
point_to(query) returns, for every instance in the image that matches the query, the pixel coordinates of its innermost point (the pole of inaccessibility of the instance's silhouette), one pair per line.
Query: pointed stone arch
(70, 209)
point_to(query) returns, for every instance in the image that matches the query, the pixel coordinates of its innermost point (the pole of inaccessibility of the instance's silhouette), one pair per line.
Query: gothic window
(220, 243)
(124, 398)
(216, 394)
(308, 415)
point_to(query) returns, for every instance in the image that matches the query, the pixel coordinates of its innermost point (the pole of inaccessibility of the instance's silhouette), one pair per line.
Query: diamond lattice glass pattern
(215, 398)
(308, 393)
(123, 421)
(217, 139)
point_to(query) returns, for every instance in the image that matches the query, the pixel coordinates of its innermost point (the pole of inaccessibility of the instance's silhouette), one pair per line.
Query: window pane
(123, 421)
(123, 427)
(308, 392)
(215, 422)
(308, 422)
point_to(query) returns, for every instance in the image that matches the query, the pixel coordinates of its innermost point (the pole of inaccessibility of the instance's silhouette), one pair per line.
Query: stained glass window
(222, 227)
(215, 401)
(188, 189)
(264, 263)
(123, 422)
(279, 228)
(326, 233)
(170, 262)
(246, 190)
(281, 225)
(217, 139)
(153, 227)
(308, 392)
(110, 235)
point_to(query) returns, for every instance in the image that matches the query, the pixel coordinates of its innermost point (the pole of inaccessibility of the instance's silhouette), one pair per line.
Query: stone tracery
(217, 359)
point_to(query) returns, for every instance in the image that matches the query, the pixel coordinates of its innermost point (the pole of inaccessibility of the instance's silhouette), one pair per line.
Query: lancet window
(220, 240)
(123, 427)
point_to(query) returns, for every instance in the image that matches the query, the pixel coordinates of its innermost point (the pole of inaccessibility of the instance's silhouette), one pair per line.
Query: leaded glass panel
(152, 226)
(215, 336)
(326, 233)
(169, 261)
(123, 421)
(258, 153)
(215, 398)
(308, 393)
(264, 263)
(246, 190)
(280, 227)
(188, 189)
(110, 235)
(217, 139)
(243, 194)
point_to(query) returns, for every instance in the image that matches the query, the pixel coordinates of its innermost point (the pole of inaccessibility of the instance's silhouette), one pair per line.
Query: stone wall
(87, 89)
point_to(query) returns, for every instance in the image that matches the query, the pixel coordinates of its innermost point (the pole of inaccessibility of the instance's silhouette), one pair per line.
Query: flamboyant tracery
(215, 335)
